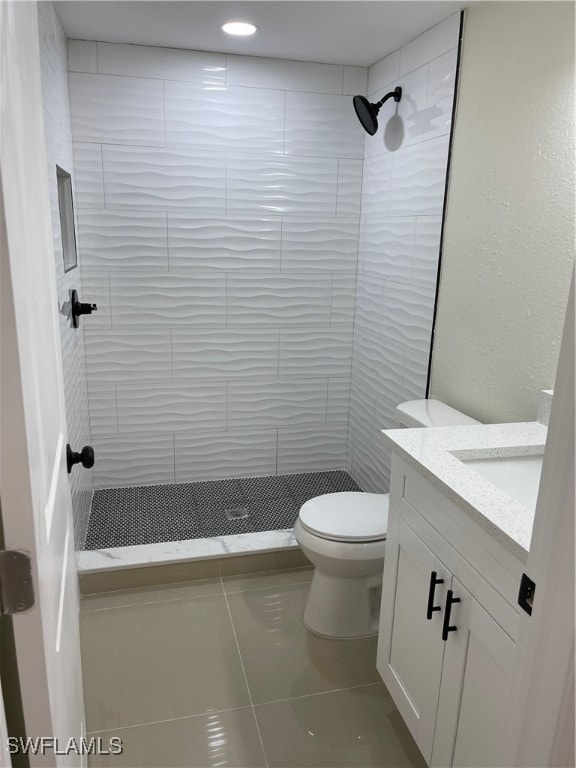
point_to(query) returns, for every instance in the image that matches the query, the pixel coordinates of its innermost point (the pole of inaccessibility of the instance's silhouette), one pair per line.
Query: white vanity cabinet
(447, 627)
(473, 706)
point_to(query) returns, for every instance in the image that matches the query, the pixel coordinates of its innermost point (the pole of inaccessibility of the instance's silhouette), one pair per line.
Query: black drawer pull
(450, 600)
(431, 607)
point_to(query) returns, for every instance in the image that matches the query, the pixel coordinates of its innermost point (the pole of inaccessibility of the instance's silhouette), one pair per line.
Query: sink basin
(516, 476)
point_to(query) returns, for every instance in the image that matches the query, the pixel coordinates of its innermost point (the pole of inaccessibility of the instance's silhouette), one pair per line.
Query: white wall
(509, 241)
(219, 202)
(402, 200)
(53, 61)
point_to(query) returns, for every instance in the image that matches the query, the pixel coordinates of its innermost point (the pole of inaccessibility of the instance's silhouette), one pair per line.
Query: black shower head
(368, 113)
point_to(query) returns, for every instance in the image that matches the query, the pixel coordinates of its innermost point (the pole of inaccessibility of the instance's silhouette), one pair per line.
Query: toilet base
(338, 637)
(344, 598)
(343, 608)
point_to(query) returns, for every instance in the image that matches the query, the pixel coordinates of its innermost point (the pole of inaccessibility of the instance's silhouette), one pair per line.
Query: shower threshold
(165, 524)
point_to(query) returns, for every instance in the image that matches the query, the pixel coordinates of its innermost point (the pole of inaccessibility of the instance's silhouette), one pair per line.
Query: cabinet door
(410, 647)
(473, 705)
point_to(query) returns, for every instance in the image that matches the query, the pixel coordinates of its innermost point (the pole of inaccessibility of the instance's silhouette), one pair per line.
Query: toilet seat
(350, 516)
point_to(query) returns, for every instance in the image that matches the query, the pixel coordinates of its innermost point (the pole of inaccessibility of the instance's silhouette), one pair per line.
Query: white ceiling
(341, 32)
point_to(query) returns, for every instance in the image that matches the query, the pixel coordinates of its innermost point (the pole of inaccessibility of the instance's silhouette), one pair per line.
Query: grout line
(427, 83)
(361, 221)
(171, 357)
(284, 124)
(281, 243)
(244, 153)
(234, 709)
(338, 177)
(149, 602)
(320, 693)
(164, 111)
(226, 416)
(277, 445)
(174, 455)
(110, 300)
(226, 211)
(167, 241)
(103, 179)
(279, 343)
(421, 66)
(115, 388)
(246, 679)
(331, 320)
(226, 302)
(170, 720)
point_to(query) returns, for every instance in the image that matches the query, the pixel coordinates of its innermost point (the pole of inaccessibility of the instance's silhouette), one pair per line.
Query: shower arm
(396, 93)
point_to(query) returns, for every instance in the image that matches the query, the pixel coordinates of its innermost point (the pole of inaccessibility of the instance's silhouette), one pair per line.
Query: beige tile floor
(221, 673)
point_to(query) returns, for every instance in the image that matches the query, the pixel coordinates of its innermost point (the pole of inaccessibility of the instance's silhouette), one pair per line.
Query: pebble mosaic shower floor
(149, 514)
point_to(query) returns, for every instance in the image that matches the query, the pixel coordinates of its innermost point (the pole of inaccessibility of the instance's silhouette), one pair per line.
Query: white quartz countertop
(434, 453)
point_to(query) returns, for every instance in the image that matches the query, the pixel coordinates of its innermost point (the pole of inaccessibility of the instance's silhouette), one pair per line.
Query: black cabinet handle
(450, 600)
(77, 308)
(85, 457)
(431, 607)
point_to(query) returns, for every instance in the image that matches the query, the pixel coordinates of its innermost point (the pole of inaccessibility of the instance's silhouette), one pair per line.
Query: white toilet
(344, 536)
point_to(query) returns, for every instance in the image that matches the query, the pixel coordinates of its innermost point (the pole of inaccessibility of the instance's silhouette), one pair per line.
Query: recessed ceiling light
(240, 28)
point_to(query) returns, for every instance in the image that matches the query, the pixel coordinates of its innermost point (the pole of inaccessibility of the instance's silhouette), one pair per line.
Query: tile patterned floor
(148, 514)
(222, 672)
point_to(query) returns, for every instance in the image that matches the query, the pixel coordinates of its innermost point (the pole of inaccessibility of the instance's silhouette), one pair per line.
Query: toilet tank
(431, 413)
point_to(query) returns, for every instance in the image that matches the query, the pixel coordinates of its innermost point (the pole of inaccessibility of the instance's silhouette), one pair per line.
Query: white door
(542, 702)
(410, 647)
(35, 495)
(473, 711)
(5, 761)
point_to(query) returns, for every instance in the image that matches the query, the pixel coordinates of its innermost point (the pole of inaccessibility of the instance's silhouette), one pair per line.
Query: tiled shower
(224, 348)
(265, 276)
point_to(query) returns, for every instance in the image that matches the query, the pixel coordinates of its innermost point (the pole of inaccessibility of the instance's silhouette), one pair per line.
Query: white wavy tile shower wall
(219, 205)
(402, 200)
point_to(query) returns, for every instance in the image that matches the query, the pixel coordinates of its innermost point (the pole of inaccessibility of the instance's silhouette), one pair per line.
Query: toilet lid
(350, 516)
